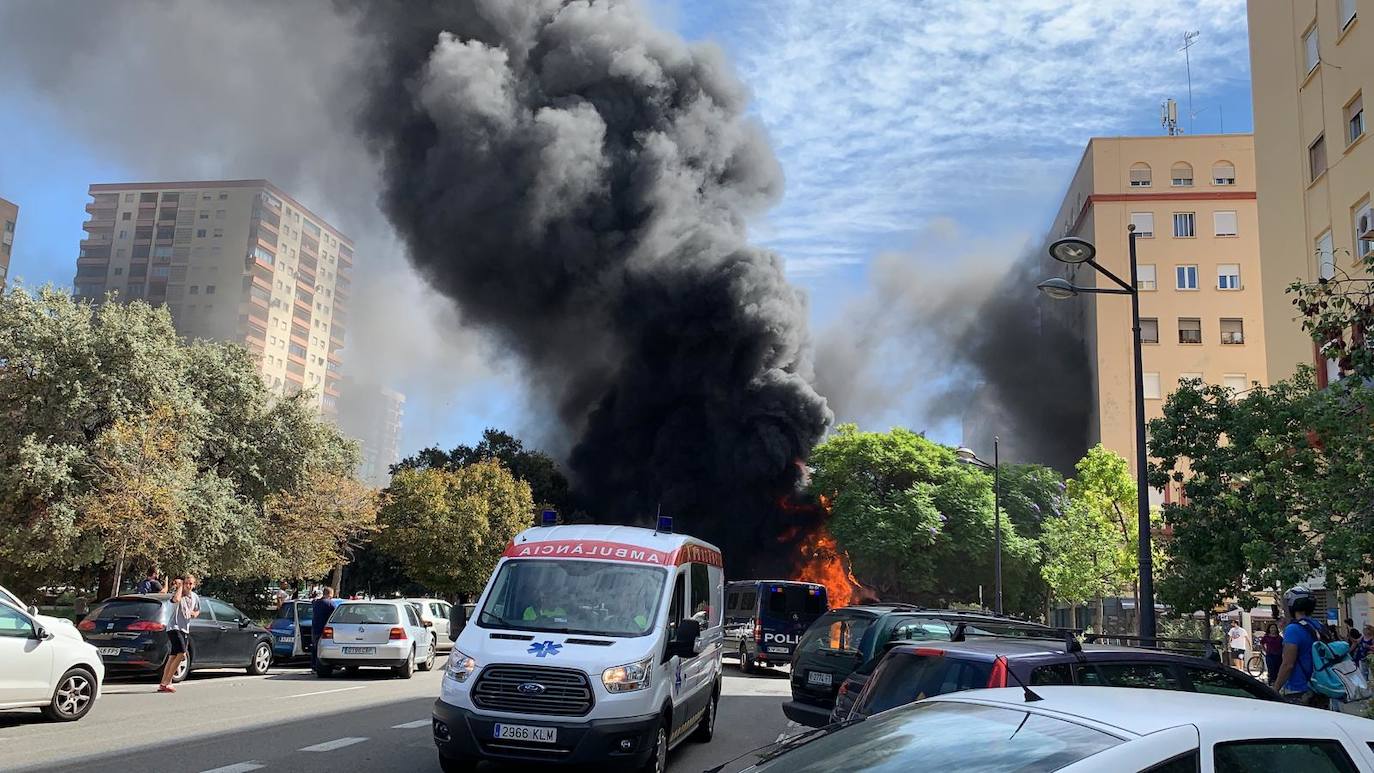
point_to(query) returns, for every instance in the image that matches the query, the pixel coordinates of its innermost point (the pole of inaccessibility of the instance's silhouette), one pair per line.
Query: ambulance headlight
(459, 666)
(629, 677)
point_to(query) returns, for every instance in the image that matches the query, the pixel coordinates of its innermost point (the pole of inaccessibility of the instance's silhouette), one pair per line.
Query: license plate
(818, 678)
(109, 651)
(286, 639)
(524, 733)
(778, 650)
(360, 650)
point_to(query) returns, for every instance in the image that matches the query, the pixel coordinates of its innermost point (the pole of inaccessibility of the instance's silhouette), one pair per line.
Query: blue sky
(931, 134)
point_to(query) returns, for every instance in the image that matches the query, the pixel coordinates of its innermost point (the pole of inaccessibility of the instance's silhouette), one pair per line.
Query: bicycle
(1255, 665)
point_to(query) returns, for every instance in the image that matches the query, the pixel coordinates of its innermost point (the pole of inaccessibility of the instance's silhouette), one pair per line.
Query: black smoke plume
(578, 182)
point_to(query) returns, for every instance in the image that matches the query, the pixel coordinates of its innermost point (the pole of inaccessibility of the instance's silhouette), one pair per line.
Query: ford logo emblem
(530, 688)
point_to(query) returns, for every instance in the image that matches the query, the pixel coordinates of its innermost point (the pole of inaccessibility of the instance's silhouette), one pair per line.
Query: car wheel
(324, 672)
(73, 696)
(262, 659)
(183, 669)
(707, 728)
(457, 764)
(428, 662)
(746, 663)
(658, 760)
(406, 669)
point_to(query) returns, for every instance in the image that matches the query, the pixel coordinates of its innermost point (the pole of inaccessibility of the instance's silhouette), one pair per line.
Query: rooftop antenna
(1189, 38)
(1168, 117)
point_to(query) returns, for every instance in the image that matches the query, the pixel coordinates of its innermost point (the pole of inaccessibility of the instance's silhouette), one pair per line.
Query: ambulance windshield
(574, 596)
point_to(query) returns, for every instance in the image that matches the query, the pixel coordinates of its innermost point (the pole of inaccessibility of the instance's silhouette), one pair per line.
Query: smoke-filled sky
(921, 145)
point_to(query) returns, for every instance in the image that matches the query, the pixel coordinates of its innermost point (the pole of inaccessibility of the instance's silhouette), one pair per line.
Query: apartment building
(9, 218)
(1310, 63)
(235, 260)
(1192, 202)
(373, 415)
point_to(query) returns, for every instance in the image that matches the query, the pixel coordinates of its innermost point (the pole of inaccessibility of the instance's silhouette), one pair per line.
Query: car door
(438, 613)
(236, 641)
(26, 662)
(418, 632)
(206, 636)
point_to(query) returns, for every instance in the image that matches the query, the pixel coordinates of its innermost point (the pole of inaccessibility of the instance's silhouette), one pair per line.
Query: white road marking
(412, 725)
(237, 767)
(329, 746)
(321, 692)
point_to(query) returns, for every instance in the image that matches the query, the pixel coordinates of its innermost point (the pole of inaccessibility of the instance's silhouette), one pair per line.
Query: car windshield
(115, 610)
(375, 614)
(835, 632)
(591, 597)
(970, 738)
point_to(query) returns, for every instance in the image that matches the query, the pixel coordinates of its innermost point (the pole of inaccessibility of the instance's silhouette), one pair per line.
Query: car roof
(1141, 712)
(1021, 647)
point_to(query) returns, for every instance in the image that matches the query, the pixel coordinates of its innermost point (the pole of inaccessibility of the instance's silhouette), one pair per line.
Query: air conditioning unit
(1366, 227)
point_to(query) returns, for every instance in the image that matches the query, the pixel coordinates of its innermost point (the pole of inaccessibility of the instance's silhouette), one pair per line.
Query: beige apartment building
(1310, 63)
(1192, 200)
(9, 219)
(374, 416)
(236, 260)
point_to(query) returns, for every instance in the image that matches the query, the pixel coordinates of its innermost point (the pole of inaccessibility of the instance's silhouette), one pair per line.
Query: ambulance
(594, 645)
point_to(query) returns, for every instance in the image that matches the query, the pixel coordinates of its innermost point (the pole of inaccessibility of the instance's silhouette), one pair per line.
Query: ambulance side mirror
(684, 643)
(457, 621)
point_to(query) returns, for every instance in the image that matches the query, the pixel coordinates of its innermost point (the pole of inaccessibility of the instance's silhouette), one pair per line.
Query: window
(1326, 257)
(1354, 119)
(1140, 175)
(1237, 383)
(1364, 231)
(223, 196)
(1189, 330)
(123, 233)
(13, 624)
(701, 595)
(1307, 755)
(195, 290)
(1316, 157)
(222, 611)
(1144, 223)
(1154, 676)
(128, 197)
(1059, 673)
(1149, 330)
(1311, 52)
(126, 216)
(1185, 224)
(1187, 762)
(145, 198)
(118, 271)
(1228, 276)
(200, 233)
(218, 233)
(1185, 277)
(1145, 277)
(1184, 378)
(1151, 386)
(1347, 11)
(1181, 175)
(1224, 223)
(204, 214)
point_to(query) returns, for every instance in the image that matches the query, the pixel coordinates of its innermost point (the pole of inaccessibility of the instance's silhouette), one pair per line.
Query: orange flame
(819, 558)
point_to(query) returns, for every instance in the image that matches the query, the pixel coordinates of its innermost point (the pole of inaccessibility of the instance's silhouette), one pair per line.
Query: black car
(844, 645)
(910, 672)
(130, 633)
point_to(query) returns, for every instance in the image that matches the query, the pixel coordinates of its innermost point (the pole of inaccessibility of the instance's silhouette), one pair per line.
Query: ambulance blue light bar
(548, 518)
(665, 524)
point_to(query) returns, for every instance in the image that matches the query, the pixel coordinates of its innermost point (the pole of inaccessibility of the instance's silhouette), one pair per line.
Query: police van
(765, 619)
(590, 644)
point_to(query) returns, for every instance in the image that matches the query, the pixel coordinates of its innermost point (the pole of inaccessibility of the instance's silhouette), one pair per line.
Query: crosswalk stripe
(411, 725)
(237, 767)
(329, 746)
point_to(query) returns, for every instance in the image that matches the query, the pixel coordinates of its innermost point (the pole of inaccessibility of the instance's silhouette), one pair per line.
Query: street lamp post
(1075, 251)
(967, 456)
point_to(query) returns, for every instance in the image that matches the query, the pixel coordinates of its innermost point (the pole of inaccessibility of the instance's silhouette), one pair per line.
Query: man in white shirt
(185, 608)
(1240, 642)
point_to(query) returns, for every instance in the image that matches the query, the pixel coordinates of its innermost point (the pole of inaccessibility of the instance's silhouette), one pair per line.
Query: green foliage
(916, 524)
(548, 485)
(448, 527)
(118, 438)
(1090, 544)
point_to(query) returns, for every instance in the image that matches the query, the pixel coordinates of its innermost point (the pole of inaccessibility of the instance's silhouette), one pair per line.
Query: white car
(59, 626)
(1081, 729)
(384, 632)
(41, 669)
(435, 613)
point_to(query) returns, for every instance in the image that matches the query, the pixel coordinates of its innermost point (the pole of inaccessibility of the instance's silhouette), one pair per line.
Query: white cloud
(887, 113)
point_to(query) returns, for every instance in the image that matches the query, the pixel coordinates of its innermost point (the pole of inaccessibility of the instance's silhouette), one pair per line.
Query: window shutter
(1224, 173)
(1144, 223)
(1140, 175)
(1225, 223)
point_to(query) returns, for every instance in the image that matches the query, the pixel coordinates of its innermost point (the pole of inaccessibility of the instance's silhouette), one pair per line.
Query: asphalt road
(227, 722)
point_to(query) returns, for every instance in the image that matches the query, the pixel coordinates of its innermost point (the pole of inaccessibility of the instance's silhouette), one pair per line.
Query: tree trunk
(1101, 616)
(336, 578)
(1073, 615)
(118, 572)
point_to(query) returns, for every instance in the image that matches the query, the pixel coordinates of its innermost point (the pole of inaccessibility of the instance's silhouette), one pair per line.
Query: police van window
(793, 600)
(749, 601)
(701, 595)
(732, 601)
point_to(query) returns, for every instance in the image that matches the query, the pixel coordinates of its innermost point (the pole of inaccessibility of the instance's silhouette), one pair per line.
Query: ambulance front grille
(565, 692)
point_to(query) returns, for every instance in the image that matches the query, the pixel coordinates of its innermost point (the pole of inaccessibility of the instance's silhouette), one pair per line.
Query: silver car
(386, 633)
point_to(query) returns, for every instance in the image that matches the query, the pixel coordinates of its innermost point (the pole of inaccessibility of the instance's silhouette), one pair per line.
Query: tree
(1082, 559)
(317, 527)
(448, 527)
(547, 484)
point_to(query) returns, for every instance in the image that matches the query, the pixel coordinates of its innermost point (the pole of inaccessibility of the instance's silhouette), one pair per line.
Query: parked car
(58, 626)
(436, 613)
(1081, 730)
(291, 631)
(849, 641)
(765, 619)
(40, 668)
(910, 672)
(381, 632)
(130, 632)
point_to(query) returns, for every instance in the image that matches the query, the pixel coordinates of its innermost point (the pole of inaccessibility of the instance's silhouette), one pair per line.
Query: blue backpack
(1324, 680)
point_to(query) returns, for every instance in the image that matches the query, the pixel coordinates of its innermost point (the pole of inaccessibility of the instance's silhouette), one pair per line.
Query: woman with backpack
(1297, 668)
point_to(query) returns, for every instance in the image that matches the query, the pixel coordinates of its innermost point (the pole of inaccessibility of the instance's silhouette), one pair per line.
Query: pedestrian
(320, 610)
(1351, 632)
(1366, 646)
(1272, 644)
(1240, 641)
(185, 608)
(279, 595)
(1294, 679)
(150, 583)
